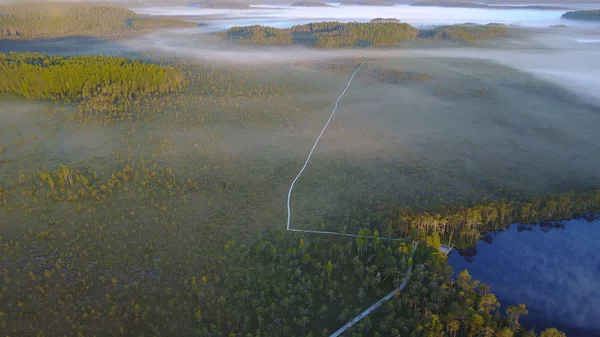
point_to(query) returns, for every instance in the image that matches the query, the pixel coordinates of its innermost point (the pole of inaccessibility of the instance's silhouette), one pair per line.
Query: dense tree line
(55, 19)
(468, 33)
(258, 35)
(326, 34)
(101, 82)
(463, 225)
(590, 15)
(354, 34)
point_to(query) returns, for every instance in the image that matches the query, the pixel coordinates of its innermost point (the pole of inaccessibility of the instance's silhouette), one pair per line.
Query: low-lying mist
(558, 56)
(285, 16)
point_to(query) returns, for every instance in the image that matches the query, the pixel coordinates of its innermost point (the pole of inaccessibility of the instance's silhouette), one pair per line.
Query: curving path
(289, 214)
(289, 196)
(380, 302)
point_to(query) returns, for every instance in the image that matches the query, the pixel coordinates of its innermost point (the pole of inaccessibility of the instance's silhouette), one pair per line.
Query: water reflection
(553, 267)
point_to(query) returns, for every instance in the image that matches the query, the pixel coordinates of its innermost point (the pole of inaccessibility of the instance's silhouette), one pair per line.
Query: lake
(555, 271)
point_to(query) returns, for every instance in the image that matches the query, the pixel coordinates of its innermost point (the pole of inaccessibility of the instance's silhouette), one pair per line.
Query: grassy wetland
(147, 197)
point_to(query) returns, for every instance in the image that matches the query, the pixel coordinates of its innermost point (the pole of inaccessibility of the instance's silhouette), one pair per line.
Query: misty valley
(308, 169)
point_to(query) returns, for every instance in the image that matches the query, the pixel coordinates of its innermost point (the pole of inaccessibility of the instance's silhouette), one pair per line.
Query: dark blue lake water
(554, 271)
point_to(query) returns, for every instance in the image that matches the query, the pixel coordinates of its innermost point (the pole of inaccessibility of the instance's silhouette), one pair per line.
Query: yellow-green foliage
(354, 34)
(55, 19)
(38, 76)
(470, 33)
(465, 224)
(326, 34)
(258, 35)
(387, 34)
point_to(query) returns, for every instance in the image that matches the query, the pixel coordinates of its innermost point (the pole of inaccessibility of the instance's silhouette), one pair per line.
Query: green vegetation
(468, 33)
(463, 225)
(55, 19)
(161, 227)
(112, 275)
(589, 15)
(39, 76)
(258, 35)
(326, 34)
(380, 33)
(397, 76)
(103, 83)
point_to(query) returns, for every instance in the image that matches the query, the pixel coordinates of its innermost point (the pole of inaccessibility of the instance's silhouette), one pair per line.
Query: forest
(589, 15)
(356, 35)
(138, 241)
(56, 19)
(279, 284)
(103, 83)
(462, 226)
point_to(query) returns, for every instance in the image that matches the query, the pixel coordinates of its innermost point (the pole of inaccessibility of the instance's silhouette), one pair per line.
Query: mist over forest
(157, 177)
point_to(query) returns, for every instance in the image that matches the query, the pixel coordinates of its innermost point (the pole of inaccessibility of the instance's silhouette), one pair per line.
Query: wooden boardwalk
(380, 302)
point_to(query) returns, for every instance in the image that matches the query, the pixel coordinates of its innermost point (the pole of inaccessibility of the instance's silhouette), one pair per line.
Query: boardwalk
(377, 304)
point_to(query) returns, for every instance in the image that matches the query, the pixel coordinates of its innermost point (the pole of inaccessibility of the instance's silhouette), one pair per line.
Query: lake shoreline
(532, 263)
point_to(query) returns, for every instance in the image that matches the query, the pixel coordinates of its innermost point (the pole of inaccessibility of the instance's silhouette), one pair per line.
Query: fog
(532, 129)
(566, 58)
(518, 115)
(286, 16)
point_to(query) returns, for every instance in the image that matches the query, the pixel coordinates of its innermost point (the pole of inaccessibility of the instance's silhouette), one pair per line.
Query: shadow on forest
(69, 46)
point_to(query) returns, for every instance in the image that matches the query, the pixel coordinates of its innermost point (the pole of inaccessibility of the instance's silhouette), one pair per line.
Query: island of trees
(590, 15)
(380, 33)
(385, 20)
(310, 4)
(55, 19)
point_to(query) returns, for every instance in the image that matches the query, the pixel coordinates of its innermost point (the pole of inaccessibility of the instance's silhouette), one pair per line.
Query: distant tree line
(463, 226)
(258, 34)
(468, 33)
(354, 34)
(591, 15)
(55, 19)
(467, 4)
